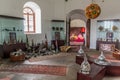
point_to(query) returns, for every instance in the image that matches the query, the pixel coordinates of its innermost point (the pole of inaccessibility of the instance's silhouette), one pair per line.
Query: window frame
(28, 20)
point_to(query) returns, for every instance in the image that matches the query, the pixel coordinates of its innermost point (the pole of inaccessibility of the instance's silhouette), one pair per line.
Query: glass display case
(58, 33)
(57, 29)
(108, 31)
(11, 29)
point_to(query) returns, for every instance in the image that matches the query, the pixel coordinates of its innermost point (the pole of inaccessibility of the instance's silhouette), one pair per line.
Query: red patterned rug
(35, 69)
(46, 57)
(5, 78)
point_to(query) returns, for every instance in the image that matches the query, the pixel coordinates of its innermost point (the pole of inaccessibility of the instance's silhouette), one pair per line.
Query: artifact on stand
(80, 51)
(101, 60)
(17, 56)
(85, 66)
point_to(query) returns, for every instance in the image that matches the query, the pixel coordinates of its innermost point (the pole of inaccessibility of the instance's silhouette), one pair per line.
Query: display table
(8, 48)
(17, 58)
(59, 43)
(111, 70)
(97, 73)
(17, 55)
(107, 42)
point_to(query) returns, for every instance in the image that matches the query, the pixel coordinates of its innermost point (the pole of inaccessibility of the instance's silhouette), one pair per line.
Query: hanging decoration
(92, 11)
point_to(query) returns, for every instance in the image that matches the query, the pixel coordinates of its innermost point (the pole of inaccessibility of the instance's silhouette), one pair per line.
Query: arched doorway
(79, 17)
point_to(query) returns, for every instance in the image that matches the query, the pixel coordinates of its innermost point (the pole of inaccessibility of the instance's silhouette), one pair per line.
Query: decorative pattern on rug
(5, 78)
(39, 58)
(35, 69)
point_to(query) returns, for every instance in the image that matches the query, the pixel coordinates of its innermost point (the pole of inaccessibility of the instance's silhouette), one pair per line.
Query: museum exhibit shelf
(98, 42)
(108, 32)
(11, 29)
(12, 34)
(8, 48)
(58, 33)
(58, 29)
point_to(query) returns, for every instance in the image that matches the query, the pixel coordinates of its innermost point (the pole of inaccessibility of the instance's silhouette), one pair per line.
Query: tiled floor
(69, 61)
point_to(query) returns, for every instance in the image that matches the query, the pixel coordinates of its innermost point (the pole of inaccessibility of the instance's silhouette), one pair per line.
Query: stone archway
(78, 14)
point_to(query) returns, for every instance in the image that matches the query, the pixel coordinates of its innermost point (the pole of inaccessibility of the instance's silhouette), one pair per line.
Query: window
(32, 16)
(29, 23)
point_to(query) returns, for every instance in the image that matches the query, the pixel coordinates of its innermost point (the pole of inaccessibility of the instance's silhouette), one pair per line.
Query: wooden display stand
(79, 60)
(97, 73)
(8, 48)
(107, 42)
(111, 70)
(17, 58)
(59, 43)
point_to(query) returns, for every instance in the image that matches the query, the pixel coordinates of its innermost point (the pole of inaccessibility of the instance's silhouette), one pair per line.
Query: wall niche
(108, 32)
(11, 28)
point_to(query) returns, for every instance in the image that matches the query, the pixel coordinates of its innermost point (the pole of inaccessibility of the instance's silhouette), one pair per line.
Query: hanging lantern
(92, 11)
(83, 30)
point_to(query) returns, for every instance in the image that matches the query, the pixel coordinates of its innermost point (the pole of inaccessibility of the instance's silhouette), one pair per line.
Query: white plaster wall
(110, 9)
(58, 9)
(15, 8)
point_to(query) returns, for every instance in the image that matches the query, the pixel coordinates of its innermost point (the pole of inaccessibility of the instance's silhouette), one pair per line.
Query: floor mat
(39, 58)
(5, 78)
(35, 69)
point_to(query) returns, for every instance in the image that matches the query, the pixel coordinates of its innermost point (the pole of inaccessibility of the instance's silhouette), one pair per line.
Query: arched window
(29, 23)
(32, 16)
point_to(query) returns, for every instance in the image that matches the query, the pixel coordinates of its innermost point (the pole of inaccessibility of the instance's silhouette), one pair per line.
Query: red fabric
(79, 40)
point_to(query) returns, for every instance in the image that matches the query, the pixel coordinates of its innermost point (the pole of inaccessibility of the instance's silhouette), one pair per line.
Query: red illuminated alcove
(76, 35)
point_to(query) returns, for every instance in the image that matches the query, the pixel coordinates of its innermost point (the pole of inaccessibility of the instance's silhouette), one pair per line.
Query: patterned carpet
(6, 78)
(36, 69)
(46, 57)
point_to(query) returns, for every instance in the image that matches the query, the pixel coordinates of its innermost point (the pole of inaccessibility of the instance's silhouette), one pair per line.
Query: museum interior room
(59, 40)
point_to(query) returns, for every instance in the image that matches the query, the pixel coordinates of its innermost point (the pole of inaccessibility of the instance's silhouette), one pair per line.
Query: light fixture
(93, 10)
(82, 29)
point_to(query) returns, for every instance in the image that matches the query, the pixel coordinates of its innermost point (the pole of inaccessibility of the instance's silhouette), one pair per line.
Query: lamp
(82, 30)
